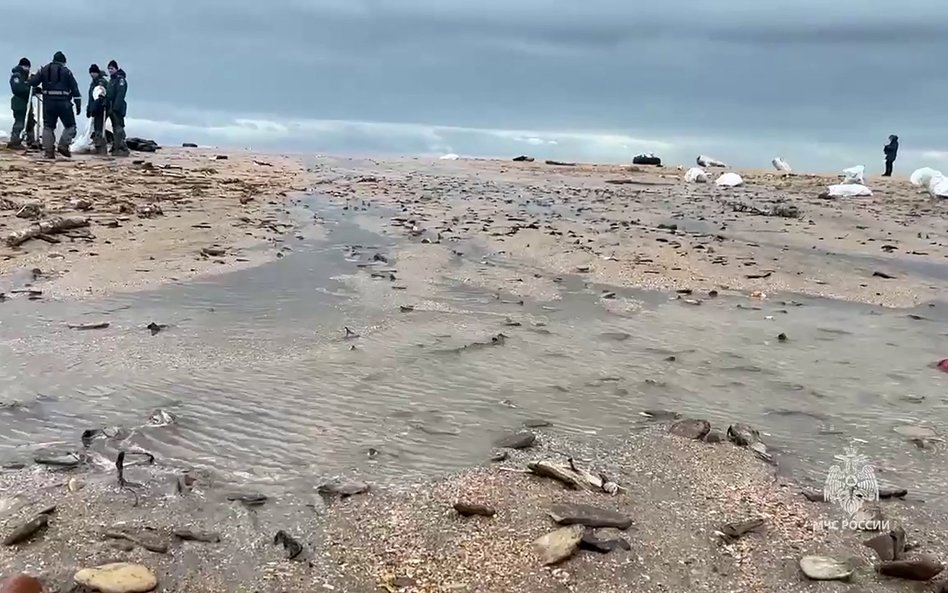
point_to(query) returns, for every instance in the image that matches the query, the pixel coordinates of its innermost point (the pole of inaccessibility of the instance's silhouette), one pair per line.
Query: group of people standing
(59, 90)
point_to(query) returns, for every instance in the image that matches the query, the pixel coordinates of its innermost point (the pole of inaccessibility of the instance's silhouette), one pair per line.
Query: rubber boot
(119, 148)
(49, 143)
(65, 141)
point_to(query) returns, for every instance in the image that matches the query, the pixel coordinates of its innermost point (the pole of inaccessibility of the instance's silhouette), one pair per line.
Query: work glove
(78, 106)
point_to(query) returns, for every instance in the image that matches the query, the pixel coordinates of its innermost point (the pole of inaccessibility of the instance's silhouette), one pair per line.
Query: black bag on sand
(646, 159)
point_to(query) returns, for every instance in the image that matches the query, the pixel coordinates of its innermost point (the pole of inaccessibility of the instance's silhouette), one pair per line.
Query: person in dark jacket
(96, 108)
(118, 86)
(891, 150)
(59, 86)
(20, 104)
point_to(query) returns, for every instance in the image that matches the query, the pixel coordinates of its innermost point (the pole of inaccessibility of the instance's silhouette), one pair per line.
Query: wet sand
(154, 218)
(679, 495)
(646, 227)
(403, 534)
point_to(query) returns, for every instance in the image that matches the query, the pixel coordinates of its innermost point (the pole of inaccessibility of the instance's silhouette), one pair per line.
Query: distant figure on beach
(891, 150)
(95, 110)
(20, 104)
(59, 86)
(117, 108)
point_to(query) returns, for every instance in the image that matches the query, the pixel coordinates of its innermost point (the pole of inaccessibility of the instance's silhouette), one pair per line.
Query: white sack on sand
(450, 157)
(729, 180)
(781, 165)
(921, 177)
(848, 190)
(696, 175)
(938, 186)
(706, 161)
(854, 174)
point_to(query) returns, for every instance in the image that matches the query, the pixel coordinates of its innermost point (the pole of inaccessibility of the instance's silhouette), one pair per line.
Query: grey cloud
(846, 72)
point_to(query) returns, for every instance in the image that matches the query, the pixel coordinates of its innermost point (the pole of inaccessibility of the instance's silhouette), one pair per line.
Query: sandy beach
(153, 219)
(646, 227)
(185, 213)
(445, 273)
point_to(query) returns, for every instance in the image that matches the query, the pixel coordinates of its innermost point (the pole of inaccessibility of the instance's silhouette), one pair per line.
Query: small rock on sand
(343, 488)
(888, 546)
(468, 509)
(714, 436)
(26, 530)
(250, 499)
(824, 568)
(21, 583)
(588, 515)
(869, 518)
(916, 432)
(498, 456)
(118, 577)
(208, 537)
(742, 435)
(603, 546)
(922, 568)
(63, 460)
(691, 429)
(559, 545)
(519, 440)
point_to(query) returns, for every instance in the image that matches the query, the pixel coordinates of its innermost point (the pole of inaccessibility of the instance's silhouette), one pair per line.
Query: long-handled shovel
(29, 108)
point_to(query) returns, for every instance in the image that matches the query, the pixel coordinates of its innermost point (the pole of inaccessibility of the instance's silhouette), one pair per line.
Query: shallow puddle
(268, 389)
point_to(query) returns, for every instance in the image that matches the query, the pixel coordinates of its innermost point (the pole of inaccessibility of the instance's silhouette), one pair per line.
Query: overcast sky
(820, 83)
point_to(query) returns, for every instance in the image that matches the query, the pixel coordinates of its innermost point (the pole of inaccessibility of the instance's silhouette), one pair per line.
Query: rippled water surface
(268, 390)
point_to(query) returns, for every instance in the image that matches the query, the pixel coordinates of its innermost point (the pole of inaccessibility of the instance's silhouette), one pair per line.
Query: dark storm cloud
(802, 76)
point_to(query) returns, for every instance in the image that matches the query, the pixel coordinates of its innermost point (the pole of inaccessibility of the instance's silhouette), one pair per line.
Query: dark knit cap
(113, 64)
(24, 62)
(94, 69)
(59, 57)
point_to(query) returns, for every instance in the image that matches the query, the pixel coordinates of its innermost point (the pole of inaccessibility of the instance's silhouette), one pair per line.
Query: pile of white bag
(934, 181)
(852, 185)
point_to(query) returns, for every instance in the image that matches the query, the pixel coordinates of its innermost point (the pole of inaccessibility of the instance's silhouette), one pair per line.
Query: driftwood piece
(573, 479)
(149, 543)
(50, 226)
(87, 326)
